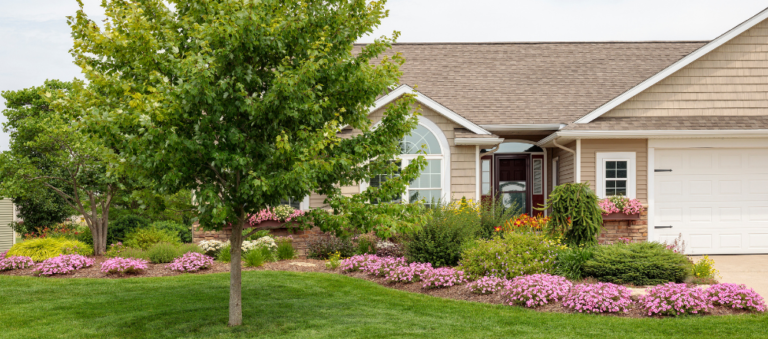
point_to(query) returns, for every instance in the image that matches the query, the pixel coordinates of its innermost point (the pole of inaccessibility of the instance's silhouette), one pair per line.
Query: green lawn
(302, 305)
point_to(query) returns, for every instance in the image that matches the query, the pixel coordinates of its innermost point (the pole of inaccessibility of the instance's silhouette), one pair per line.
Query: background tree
(50, 149)
(242, 102)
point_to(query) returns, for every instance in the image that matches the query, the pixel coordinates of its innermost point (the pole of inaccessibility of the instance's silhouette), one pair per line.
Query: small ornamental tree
(575, 214)
(242, 102)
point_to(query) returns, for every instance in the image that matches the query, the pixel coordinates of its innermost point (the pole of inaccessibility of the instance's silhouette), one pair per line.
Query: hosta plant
(536, 290)
(191, 262)
(599, 298)
(674, 299)
(15, 263)
(488, 285)
(62, 264)
(408, 274)
(736, 296)
(123, 265)
(442, 277)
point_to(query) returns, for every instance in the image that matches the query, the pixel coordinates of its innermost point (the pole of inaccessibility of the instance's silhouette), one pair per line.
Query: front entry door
(512, 181)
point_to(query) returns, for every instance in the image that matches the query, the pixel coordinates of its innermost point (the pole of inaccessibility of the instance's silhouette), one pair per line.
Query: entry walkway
(750, 270)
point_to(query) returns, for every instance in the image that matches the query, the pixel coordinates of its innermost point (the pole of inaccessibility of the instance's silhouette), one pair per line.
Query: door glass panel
(513, 194)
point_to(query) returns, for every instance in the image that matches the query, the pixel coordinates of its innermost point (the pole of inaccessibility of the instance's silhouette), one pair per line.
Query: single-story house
(7, 215)
(680, 125)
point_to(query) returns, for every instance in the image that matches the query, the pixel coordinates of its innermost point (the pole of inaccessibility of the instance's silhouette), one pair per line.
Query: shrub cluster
(323, 248)
(599, 298)
(162, 253)
(440, 240)
(62, 264)
(509, 257)
(41, 249)
(642, 263)
(488, 285)
(536, 290)
(15, 263)
(386, 248)
(182, 232)
(123, 265)
(736, 296)
(144, 238)
(123, 225)
(674, 299)
(191, 262)
(570, 262)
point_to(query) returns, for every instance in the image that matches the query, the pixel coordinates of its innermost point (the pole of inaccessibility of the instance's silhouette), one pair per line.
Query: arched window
(434, 182)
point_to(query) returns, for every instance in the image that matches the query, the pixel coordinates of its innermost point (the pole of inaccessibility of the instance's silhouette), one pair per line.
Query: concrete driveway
(750, 270)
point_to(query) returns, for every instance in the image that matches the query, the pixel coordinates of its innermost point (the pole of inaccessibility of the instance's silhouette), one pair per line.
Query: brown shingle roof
(674, 123)
(532, 83)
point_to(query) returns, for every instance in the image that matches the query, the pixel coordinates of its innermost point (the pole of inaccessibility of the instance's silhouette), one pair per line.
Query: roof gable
(672, 69)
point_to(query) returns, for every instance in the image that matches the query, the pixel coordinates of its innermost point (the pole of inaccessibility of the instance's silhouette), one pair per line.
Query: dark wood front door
(512, 184)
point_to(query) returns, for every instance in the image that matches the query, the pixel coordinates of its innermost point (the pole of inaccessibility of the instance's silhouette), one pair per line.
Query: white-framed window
(486, 176)
(434, 182)
(616, 174)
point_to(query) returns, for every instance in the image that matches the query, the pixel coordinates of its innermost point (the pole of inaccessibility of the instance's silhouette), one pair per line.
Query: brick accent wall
(301, 239)
(636, 230)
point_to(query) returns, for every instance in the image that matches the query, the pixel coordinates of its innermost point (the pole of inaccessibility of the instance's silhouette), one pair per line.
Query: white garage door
(716, 198)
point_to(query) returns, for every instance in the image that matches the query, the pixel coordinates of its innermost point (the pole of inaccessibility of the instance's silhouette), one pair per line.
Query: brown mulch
(460, 292)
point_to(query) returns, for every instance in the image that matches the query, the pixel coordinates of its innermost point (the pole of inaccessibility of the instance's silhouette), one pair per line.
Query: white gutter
(478, 141)
(523, 127)
(659, 133)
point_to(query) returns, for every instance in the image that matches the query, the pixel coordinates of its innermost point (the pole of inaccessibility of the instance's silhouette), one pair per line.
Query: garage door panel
(716, 198)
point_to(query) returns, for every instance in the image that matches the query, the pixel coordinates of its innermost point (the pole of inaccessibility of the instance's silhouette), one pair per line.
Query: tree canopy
(242, 102)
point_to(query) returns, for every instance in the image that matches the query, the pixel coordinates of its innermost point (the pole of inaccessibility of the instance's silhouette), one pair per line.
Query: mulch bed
(460, 292)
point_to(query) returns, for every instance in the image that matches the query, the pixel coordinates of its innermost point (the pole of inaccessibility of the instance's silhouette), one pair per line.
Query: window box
(620, 216)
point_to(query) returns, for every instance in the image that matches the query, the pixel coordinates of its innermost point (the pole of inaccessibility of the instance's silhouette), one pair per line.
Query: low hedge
(643, 263)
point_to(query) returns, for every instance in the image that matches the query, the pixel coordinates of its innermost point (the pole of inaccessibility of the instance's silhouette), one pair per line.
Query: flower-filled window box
(276, 217)
(620, 208)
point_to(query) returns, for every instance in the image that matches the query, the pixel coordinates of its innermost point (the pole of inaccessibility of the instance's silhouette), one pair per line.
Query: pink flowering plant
(408, 274)
(381, 266)
(599, 298)
(124, 265)
(15, 263)
(442, 277)
(191, 262)
(736, 296)
(536, 290)
(674, 299)
(62, 264)
(488, 285)
(619, 204)
(3, 254)
(357, 262)
(281, 213)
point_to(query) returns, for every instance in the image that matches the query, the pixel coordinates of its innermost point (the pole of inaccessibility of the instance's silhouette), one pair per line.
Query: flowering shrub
(674, 299)
(15, 263)
(525, 223)
(62, 264)
(282, 213)
(536, 290)
(736, 296)
(409, 274)
(123, 265)
(382, 266)
(515, 254)
(263, 242)
(488, 285)
(442, 277)
(211, 246)
(619, 204)
(357, 262)
(191, 262)
(599, 298)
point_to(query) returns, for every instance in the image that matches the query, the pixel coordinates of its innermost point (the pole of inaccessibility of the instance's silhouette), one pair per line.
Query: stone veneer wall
(301, 239)
(636, 230)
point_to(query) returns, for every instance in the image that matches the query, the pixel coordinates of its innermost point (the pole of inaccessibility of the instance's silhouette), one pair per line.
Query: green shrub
(183, 232)
(366, 244)
(508, 257)
(575, 214)
(186, 248)
(85, 235)
(323, 248)
(254, 258)
(440, 239)
(285, 250)
(644, 263)
(121, 226)
(225, 254)
(134, 253)
(570, 262)
(162, 253)
(40, 249)
(144, 238)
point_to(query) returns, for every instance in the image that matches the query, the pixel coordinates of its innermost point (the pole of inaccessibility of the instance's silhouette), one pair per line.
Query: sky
(35, 39)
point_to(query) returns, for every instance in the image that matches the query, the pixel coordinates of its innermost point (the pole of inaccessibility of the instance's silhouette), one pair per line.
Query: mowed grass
(304, 305)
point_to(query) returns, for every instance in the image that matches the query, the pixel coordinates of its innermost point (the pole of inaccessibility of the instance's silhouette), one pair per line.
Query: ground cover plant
(191, 262)
(536, 290)
(675, 299)
(123, 265)
(599, 298)
(736, 296)
(488, 285)
(62, 264)
(15, 263)
(510, 256)
(641, 263)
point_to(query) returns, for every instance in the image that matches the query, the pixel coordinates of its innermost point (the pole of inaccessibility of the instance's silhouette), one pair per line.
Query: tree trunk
(235, 275)
(99, 234)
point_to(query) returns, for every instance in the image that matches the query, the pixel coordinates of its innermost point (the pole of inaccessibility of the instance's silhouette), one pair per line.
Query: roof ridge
(543, 42)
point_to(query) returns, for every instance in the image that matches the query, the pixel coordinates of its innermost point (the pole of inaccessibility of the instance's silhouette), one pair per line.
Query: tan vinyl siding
(730, 80)
(316, 201)
(566, 164)
(640, 146)
(6, 232)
